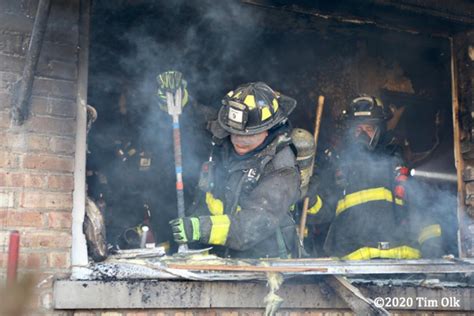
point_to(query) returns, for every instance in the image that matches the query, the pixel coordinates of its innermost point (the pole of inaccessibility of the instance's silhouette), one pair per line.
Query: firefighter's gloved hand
(170, 81)
(185, 229)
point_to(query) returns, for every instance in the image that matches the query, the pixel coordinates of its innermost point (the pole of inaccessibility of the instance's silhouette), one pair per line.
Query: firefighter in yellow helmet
(251, 180)
(373, 208)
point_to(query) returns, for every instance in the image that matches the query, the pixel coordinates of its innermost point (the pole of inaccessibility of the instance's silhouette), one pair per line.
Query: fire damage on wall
(305, 51)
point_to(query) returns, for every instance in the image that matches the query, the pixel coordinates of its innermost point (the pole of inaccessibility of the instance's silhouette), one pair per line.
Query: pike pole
(172, 88)
(174, 109)
(317, 126)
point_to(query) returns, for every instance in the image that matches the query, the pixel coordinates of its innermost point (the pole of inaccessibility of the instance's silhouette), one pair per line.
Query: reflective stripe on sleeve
(215, 206)
(220, 225)
(316, 207)
(429, 232)
(367, 253)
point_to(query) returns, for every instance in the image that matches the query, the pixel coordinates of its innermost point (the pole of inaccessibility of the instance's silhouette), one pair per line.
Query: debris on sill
(154, 264)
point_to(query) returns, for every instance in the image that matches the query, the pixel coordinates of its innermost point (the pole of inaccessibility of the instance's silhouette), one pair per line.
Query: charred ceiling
(442, 18)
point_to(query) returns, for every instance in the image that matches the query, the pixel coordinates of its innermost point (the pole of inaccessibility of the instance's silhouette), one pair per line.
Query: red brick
(37, 142)
(11, 180)
(63, 145)
(12, 141)
(54, 88)
(22, 180)
(3, 259)
(8, 160)
(8, 79)
(60, 260)
(34, 181)
(7, 199)
(31, 260)
(63, 183)
(50, 125)
(49, 239)
(39, 105)
(5, 99)
(11, 43)
(16, 219)
(59, 51)
(11, 63)
(46, 200)
(52, 68)
(5, 120)
(59, 219)
(52, 163)
(53, 106)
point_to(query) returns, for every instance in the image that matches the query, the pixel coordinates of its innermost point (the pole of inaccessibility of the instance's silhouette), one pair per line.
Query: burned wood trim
(22, 93)
(354, 298)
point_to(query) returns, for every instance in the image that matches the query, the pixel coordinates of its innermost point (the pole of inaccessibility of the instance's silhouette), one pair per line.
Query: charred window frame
(79, 249)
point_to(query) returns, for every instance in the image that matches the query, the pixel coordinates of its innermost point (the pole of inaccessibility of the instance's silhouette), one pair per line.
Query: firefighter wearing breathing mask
(251, 179)
(373, 209)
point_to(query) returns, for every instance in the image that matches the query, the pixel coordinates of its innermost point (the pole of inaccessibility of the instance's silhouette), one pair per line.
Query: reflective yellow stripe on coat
(219, 229)
(429, 232)
(316, 207)
(215, 206)
(367, 253)
(364, 196)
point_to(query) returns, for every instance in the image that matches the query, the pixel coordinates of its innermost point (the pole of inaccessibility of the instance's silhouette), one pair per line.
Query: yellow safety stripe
(250, 101)
(219, 229)
(364, 196)
(316, 207)
(367, 253)
(275, 105)
(266, 113)
(428, 232)
(215, 206)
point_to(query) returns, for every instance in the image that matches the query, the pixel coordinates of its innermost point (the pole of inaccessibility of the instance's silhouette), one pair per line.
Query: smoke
(426, 202)
(218, 45)
(131, 45)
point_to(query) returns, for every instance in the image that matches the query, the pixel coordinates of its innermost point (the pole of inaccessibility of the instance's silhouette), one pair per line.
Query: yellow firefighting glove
(185, 229)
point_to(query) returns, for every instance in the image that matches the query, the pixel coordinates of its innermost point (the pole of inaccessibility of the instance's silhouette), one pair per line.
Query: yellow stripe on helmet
(266, 114)
(275, 105)
(249, 101)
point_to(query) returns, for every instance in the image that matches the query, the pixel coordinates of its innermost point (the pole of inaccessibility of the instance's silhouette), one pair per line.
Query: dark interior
(218, 45)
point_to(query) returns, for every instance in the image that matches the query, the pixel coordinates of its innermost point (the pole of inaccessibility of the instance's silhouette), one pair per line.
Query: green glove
(171, 81)
(185, 229)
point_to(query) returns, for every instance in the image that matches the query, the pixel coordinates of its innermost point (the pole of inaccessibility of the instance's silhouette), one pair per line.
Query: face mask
(363, 140)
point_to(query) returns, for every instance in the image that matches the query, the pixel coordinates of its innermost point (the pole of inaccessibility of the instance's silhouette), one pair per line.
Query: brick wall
(37, 158)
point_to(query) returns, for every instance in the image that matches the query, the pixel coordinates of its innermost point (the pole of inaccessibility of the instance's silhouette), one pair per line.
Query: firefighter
(372, 205)
(245, 206)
